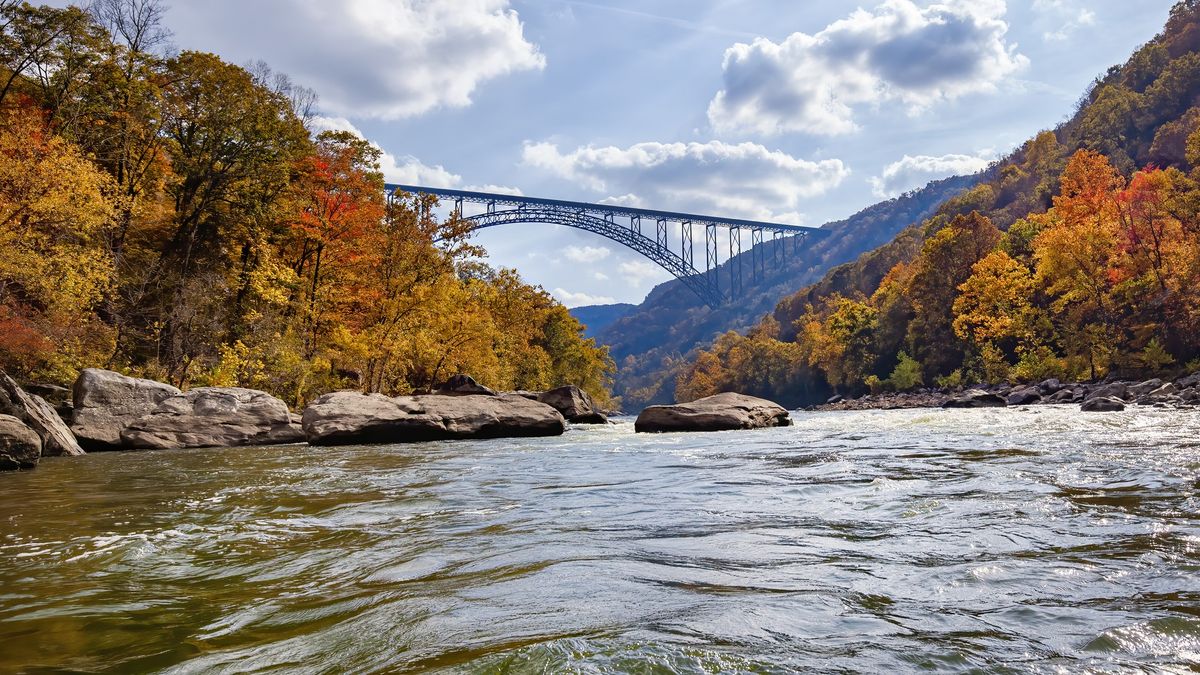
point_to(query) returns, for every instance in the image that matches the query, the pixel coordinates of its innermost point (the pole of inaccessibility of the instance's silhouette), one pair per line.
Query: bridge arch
(702, 284)
(602, 219)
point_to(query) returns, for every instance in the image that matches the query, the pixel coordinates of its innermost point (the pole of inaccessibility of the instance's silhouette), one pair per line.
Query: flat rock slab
(214, 417)
(723, 412)
(107, 402)
(20, 446)
(37, 414)
(350, 418)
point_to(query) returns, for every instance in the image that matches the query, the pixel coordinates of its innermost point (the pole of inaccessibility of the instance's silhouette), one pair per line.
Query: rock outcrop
(214, 417)
(723, 412)
(575, 405)
(35, 413)
(20, 446)
(105, 403)
(349, 417)
(976, 398)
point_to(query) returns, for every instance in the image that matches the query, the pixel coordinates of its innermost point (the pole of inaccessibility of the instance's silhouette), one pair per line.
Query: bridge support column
(735, 261)
(662, 233)
(712, 256)
(689, 252)
(758, 253)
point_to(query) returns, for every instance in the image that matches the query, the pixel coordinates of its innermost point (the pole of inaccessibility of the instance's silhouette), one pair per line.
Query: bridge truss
(624, 225)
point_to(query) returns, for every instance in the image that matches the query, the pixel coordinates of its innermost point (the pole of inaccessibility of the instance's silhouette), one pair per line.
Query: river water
(1036, 539)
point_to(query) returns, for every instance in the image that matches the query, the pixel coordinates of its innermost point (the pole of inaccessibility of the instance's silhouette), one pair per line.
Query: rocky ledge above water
(351, 417)
(1107, 396)
(723, 412)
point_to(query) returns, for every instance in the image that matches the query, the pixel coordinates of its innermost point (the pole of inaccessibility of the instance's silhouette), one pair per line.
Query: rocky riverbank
(107, 411)
(1107, 396)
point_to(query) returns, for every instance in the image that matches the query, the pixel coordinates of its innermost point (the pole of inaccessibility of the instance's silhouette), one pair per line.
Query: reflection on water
(1014, 540)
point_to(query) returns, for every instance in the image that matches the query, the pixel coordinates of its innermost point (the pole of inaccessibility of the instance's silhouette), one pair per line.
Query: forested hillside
(1078, 256)
(651, 342)
(174, 216)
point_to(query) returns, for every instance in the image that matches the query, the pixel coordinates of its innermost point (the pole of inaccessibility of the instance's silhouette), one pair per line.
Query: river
(1036, 539)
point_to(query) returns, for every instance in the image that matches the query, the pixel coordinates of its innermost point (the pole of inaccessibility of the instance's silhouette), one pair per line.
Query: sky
(790, 111)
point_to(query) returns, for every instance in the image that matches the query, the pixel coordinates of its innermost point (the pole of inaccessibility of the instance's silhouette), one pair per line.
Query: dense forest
(653, 341)
(1077, 257)
(174, 216)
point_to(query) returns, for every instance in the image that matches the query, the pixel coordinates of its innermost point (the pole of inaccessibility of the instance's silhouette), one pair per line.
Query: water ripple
(1036, 540)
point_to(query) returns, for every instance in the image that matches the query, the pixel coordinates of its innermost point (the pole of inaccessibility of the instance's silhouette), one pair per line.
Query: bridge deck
(649, 214)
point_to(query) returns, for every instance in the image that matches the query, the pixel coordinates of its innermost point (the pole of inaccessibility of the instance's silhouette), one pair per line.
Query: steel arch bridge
(623, 225)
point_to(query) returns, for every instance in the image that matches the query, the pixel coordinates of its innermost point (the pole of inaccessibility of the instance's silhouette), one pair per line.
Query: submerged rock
(214, 417)
(976, 398)
(723, 412)
(37, 414)
(20, 446)
(1103, 404)
(574, 403)
(350, 417)
(107, 402)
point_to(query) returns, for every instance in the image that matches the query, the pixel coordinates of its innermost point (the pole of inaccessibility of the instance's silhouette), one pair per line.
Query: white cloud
(1062, 18)
(638, 273)
(743, 180)
(898, 51)
(913, 172)
(599, 276)
(408, 170)
(385, 59)
(586, 254)
(580, 299)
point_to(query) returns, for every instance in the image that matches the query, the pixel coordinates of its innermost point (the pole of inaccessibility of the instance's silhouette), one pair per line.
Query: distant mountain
(650, 341)
(596, 318)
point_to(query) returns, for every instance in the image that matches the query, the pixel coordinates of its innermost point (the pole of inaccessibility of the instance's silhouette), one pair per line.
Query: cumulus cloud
(386, 59)
(913, 172)
(571, 299)
(743, 180)
(897, 52)
(640, 273)
(406, 170)
(1062, 18)
(586, 254)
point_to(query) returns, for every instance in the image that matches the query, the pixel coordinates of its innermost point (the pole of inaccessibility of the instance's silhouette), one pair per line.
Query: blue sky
(793, 111)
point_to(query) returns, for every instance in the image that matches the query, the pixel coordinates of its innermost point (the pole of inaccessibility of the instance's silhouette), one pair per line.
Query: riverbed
(1038, 539)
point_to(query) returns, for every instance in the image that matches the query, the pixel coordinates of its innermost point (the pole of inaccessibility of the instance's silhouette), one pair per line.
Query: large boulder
(1114, 390)
(20, 446)
(1189, 382)
(1066, 395)
(350, 417)
(1024, 396)
(37, 414)
(214, 417)
(107, 402)
(976, 398)
(1050, 387)
(574, 403)
(1103, 404)
(463, 385)
(723, 412)
(1139, 390)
